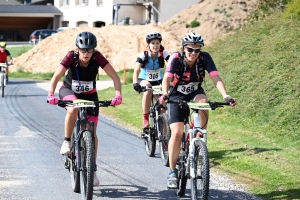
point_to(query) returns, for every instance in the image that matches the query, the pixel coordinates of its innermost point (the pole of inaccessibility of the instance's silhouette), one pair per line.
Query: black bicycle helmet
(153, 35)
(86, 40)
(192, 38)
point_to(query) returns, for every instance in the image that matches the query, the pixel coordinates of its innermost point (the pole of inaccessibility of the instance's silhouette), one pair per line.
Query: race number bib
(188, 88)
(153, 75)
(85, 86)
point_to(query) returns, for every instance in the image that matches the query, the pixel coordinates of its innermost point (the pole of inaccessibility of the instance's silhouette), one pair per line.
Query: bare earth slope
(121, 44)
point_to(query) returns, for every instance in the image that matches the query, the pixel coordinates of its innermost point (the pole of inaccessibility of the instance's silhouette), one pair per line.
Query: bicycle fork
(78, 142)
(192, 149)
(2, 79)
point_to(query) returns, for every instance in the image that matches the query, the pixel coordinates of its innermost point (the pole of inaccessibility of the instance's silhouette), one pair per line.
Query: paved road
(31, 133)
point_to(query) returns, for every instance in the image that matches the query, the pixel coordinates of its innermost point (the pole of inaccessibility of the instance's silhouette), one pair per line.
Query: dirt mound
(121, 44)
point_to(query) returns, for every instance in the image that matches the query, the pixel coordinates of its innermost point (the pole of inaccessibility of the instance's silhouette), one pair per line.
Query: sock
(67, 139)
(146, 115)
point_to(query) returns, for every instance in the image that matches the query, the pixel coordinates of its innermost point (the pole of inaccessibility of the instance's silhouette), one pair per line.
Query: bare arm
(220, 85)
(11, 60)
(137, 69)
(61, 70)
(110, 71)
(165, 85)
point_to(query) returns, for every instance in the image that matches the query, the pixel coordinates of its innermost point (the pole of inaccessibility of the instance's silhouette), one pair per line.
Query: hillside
(121, 44)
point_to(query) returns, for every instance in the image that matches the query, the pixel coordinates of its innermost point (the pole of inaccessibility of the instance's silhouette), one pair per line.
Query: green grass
(17, 51)
(258, 141)
(20, 73)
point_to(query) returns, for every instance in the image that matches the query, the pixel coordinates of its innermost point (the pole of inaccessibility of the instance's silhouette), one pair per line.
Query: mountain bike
(2, 77)
(193, 162)
(159, 128)
(81, 161)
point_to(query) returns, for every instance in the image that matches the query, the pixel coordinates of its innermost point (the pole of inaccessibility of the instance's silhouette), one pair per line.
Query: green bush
(194, 24)
(292, 10)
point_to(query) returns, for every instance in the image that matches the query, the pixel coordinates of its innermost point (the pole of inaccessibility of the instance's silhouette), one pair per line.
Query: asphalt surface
(31, 133)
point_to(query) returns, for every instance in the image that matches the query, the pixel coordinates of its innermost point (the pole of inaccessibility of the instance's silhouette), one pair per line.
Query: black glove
(228, 99)
(137, 87)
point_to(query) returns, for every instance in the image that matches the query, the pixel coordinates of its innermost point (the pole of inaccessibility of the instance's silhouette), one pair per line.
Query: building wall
(169, 8)
(91, 12)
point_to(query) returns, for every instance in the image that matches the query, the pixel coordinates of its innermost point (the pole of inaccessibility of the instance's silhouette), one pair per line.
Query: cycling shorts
(68, 94)
(177, 114)
(153, 83)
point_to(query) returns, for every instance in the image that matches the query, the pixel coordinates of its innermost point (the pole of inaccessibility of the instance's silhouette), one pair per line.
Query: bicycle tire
(75, 175)
(150, 142)
(163, 138)
(2, 85)
(88, 165)
(200, 184)
(182, 180)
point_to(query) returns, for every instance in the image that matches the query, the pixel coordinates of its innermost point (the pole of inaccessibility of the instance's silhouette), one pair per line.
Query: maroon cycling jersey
(3, 56)
(79, 73)
(190, 74)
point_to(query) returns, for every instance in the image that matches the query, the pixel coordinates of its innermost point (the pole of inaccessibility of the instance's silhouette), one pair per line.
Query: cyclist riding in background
(148, 72)
(4, 53)
(186, 70)
(80, 83)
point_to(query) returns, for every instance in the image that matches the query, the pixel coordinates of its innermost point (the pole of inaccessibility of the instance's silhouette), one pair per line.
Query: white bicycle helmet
(153, 35)
(192, 38)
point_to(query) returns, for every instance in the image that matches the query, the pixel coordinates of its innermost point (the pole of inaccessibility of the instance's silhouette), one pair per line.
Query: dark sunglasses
(190, 50)
(86, 50)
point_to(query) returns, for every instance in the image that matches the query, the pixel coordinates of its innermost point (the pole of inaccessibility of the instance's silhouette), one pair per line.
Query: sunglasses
(86, 50)
(190, 50)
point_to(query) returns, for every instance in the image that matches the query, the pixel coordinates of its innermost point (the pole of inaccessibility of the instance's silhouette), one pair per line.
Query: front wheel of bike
(87, 164)
(182, 180)
(150, 139)
(75, 175)
(163, 138)
(200, 184)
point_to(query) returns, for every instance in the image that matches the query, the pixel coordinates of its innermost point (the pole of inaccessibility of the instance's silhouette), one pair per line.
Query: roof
(9, 2)
(19, 10)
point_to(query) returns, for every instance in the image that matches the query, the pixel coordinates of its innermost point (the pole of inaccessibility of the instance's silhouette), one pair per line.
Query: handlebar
(157, 89)
(211, 105)
(5, 64)
(83, 103)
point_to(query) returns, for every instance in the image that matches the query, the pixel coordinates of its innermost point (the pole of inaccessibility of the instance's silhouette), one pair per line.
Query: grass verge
(257, 142)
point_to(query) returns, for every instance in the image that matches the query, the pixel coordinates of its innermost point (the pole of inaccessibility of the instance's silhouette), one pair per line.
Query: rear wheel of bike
(163, 138)
(150, 139)
(87, 165)
(75, 175)
(182, 179)
(200, 184)
(2, 85)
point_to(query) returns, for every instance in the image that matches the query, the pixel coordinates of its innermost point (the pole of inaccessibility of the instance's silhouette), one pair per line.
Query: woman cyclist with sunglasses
(80, 83)
(186, 71)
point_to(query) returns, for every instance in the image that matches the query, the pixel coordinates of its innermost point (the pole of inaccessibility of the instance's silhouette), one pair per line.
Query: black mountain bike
(81, 161)
(159, 128)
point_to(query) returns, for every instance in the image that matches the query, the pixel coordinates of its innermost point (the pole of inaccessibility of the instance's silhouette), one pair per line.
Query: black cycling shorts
(177, 114)
(153, 83)
(68, 94)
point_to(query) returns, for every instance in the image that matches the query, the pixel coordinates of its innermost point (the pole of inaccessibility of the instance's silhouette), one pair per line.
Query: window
(65, 23)
(66, 2)
(99, 2)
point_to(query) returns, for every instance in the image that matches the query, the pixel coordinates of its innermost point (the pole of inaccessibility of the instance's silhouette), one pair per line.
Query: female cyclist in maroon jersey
(80, 83)
(186, 70)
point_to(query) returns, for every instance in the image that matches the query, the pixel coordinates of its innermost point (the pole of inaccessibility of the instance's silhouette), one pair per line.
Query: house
(18, 21)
